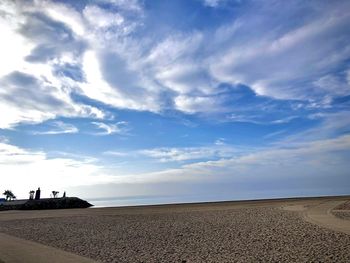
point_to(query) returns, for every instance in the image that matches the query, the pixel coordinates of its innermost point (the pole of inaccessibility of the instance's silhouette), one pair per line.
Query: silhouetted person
(37, 194)
(64, 194)
(31, 195)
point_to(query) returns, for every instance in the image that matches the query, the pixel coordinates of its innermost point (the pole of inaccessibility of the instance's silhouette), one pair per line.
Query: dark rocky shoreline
(47, 203)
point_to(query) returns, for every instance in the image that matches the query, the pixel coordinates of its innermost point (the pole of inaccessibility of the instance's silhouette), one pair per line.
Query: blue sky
(190, 99)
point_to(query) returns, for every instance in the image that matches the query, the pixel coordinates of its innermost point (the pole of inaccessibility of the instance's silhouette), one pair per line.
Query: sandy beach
(301, 230)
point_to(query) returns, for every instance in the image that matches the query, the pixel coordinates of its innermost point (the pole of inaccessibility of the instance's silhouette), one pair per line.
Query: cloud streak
(58, 127)
(120, 128)
(189, 153)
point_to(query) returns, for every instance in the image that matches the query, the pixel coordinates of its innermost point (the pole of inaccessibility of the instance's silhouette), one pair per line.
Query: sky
(193, 100)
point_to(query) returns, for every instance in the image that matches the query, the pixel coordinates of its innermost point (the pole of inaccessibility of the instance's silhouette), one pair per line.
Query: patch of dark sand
(343, 206)
(342, 215)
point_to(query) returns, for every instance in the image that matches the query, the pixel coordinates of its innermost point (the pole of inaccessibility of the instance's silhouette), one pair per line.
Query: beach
(289, 230)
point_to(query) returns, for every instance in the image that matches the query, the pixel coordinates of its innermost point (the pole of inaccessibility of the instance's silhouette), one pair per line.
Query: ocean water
(150, 200)
(172, 199)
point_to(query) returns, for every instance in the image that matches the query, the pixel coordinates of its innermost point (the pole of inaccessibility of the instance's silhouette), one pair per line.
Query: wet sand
(255, 231)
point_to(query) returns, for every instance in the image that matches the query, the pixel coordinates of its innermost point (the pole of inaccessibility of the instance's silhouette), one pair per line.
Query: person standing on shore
(37, 194)
(31, 195)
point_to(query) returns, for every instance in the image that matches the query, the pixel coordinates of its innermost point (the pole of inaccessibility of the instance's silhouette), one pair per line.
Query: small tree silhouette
(9, 195)
(55, 193)
(31, 195)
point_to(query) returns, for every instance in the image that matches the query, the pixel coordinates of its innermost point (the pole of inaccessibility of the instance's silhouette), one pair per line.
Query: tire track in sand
(321, 215)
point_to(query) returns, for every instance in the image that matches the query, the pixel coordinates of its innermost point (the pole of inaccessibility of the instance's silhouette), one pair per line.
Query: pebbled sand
(342, 211)
(343, 215)
(343, 206)
(221, 232)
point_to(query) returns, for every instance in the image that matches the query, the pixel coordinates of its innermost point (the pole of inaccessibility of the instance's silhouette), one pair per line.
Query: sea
(176, 199)
(151, 200)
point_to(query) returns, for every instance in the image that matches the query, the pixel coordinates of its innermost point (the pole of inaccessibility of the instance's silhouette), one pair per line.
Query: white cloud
(299, 168)
(116, 153)
(309, 161)
(220, 141)
(58, 127)
(243, 118)
(195, 104)
(26, 99)
(35, 168)
(284, 120)
(174, 48)
(331, 125)
(172, 62)
(13, 47)
(276, 62)
(101, 55)
(118, 84)
(109, 129)
(213, 3)
(273, 63)
(32, 92)
(62, 13)
(128, 5)
(189, 153)
(337, 85)
(186, 78)
(98, 17)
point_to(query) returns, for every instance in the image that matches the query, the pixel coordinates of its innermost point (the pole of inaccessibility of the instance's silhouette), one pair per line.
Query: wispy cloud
(121, 128)
(330, 125)
(284, 120)
(274, 64)
(212, 3)
(4, 139)
(309, 161)
(128, 5)
(58, 127)
(259, 119)
(189, 153)
(220, 142)
(116, 153)
(274, 134)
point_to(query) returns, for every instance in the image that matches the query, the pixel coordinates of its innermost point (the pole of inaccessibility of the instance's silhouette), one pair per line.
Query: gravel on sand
(343, 206)
(342, 215)
(253, 234)
(342, 211)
